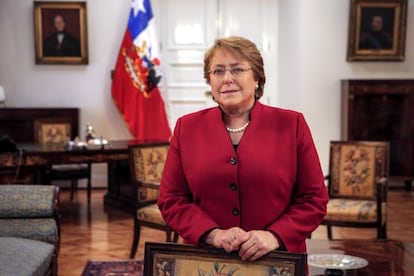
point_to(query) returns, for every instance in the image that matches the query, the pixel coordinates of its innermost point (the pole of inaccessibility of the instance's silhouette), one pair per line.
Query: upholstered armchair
(29, 230)
(146, 166)
(357, 186)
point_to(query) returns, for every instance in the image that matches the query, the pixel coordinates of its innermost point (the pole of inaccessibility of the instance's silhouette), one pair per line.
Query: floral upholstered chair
(29, 230)
(146, 166)
(357, 185)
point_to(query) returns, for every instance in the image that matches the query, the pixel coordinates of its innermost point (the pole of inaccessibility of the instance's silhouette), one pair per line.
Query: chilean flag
(135, 81)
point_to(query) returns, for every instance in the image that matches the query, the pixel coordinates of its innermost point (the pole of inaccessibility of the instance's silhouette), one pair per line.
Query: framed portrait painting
(60, 33)
(180, 259)
(377, 30)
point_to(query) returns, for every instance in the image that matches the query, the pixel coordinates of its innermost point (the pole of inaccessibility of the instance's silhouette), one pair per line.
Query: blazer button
(233, 186)
(233, 160)
(236, 212)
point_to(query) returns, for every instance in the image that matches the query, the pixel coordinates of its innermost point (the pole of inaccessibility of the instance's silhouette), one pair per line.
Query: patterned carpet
(114, 268)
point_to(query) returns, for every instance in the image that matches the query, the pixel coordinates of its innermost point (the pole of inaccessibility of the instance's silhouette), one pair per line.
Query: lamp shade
(2, 95)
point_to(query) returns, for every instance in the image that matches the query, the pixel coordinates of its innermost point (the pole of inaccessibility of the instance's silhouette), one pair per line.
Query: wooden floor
(99, 233)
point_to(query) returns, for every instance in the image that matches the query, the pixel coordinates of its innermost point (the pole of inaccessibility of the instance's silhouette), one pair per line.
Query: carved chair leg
(329, 231)
(54, 266)
(172, 234)
(175, 238)
(382, 232)
(408, 185)
(137, 231)
(73, 185)
(168, 231)
(89, 190)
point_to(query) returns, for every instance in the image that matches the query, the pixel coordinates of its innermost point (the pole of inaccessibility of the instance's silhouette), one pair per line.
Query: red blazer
(272, 182)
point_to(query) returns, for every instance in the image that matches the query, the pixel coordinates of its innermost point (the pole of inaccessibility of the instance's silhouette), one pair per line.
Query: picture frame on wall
(377, 30)
(60, 33)
(185, 259)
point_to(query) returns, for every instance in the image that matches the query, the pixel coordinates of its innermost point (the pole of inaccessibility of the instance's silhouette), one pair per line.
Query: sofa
(29, 230)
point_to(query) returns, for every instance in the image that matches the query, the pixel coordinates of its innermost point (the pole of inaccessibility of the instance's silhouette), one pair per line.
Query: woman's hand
(227, 239)
(254, 244)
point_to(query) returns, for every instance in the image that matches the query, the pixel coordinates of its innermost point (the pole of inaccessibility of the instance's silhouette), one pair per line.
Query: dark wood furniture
(19, 123)
(58, 131)
(382, 109)
(37, 157)
(35, 161)
(385, 257)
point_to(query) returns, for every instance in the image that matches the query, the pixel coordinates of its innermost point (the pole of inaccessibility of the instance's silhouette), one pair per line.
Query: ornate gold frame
(52, 130)
(75, 14)
(394, 17)
(181, 259)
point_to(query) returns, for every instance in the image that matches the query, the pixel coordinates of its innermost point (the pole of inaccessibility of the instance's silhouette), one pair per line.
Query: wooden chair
(357, 186)
(146, 166)
(57, 132)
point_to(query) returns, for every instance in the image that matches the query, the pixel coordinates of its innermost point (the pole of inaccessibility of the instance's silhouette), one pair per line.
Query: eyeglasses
(235, 72)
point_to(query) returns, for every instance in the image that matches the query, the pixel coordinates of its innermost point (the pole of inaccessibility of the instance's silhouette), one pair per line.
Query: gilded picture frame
(53, 130)
(377, 30)
(178, 259)
(60, 32)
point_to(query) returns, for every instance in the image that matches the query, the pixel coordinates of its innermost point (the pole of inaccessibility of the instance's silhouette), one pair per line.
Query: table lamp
(2, 96)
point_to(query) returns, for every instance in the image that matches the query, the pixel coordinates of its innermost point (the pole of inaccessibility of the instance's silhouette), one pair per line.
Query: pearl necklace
(240, 129)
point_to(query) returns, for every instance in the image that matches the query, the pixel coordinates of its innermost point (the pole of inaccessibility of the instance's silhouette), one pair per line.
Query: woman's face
(234, 92)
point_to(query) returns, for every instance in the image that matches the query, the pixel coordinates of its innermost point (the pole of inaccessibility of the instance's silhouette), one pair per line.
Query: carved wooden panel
(382, 110)
(18, 123)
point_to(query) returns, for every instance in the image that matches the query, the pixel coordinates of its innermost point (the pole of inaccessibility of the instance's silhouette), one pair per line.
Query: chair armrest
(326, 181)
(382, 189)
(151, 185)
(147, 195)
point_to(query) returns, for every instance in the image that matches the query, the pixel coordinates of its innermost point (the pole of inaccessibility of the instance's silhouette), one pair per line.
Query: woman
(242, 176)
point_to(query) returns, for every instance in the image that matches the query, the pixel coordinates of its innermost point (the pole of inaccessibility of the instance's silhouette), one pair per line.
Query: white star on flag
(138, 5)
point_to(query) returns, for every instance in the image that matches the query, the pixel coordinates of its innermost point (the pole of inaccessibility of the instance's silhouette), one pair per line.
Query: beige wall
(312, 50)
(313, 43)
(83, 86)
